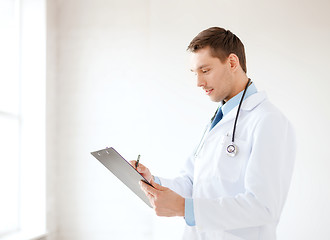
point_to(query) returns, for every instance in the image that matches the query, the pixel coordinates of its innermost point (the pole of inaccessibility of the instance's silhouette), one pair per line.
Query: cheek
(212, 78)
(217, 79)
(222, 73)
(221, 77)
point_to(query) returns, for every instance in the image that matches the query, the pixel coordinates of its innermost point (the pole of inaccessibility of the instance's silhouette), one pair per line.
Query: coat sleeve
(267, 179)
(184, 182)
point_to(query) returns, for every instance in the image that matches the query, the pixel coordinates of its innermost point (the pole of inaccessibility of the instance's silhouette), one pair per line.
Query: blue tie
(217, 118)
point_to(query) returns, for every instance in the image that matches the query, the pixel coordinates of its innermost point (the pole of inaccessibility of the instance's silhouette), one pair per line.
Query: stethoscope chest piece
(231, 150)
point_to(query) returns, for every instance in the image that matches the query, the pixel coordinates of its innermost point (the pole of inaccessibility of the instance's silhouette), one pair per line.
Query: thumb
(157, 186)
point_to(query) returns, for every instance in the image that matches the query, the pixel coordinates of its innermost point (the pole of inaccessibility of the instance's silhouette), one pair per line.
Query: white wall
(120, 73)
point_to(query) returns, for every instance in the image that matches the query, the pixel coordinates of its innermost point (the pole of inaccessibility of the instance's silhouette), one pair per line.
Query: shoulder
(261, 107)
(261, 111)
(268, 117)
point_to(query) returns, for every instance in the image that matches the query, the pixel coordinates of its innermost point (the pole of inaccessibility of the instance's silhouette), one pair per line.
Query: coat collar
(248, 104)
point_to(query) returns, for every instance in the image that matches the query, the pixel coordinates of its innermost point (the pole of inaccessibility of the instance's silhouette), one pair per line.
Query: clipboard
(123, 170)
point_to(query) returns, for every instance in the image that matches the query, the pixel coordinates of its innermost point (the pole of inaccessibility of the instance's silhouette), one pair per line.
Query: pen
(137, 161)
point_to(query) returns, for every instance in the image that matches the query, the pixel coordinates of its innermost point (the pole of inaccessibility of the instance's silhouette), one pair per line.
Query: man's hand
(143, 170)
(165, 201)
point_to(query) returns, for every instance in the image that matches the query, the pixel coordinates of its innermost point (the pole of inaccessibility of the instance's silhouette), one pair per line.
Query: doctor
(235, 184)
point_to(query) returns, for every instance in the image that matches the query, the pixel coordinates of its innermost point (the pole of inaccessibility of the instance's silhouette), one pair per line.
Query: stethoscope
(232, 148)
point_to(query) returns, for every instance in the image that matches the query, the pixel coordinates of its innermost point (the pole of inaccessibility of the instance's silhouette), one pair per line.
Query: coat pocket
(230, 167)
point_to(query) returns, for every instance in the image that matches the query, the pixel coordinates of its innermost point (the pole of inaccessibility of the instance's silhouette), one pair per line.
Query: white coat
(240, 197)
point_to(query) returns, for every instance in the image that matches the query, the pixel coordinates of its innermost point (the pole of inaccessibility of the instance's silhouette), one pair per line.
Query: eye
(205, 70)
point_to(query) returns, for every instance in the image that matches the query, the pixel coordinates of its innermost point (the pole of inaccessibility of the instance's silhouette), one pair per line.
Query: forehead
(202, 58)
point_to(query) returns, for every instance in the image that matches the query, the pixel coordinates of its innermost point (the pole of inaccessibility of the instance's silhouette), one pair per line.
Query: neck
(240, 84)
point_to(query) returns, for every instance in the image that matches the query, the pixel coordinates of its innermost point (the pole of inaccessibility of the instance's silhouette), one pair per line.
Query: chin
(215, 98)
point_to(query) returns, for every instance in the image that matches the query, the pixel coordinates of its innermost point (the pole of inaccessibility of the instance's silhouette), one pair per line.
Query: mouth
(208, 91)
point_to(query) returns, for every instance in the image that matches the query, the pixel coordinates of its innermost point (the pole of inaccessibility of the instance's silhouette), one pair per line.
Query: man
(235, 185)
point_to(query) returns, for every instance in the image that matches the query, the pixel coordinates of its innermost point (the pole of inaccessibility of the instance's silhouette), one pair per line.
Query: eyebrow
(202, 66)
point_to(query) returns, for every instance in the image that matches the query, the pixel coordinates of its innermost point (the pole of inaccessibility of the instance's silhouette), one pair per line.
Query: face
(213, 76)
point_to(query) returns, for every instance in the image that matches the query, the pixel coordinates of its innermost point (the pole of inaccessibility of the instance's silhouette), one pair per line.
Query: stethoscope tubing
(238, 110)
(232, 145)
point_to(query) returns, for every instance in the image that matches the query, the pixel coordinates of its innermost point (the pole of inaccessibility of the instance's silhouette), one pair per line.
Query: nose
(200, 81)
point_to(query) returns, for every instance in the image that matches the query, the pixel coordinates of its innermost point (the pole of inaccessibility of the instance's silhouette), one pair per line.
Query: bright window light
(9, 117)
(9, 77)
(22, 119)
(9, 169)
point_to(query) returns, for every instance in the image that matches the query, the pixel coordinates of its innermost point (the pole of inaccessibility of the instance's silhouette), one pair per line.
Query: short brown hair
(222, 43)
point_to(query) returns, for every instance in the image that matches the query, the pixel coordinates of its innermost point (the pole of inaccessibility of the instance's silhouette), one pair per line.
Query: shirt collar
(234, 101)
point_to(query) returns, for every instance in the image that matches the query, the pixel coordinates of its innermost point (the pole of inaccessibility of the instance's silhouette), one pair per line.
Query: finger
(133, 162)
(146, 192)
(151, 199)
(142, 169)
(148, 188)
(157, 186)
(149, 196)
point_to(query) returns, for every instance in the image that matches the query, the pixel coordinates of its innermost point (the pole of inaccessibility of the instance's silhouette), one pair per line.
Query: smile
(208, 92)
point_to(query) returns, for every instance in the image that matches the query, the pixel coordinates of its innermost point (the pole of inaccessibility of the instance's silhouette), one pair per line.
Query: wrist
(181, 211)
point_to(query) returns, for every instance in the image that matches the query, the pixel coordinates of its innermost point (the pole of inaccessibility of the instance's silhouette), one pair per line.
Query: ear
(233, 61)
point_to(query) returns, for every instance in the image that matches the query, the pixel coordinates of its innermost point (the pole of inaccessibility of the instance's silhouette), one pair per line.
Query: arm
(184, 182)
(181, 184)
(267, 181)
(169, 201)
(165, 201)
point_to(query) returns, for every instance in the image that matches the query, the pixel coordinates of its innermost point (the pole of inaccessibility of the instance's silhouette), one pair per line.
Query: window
(22, 119)
(9, 116)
